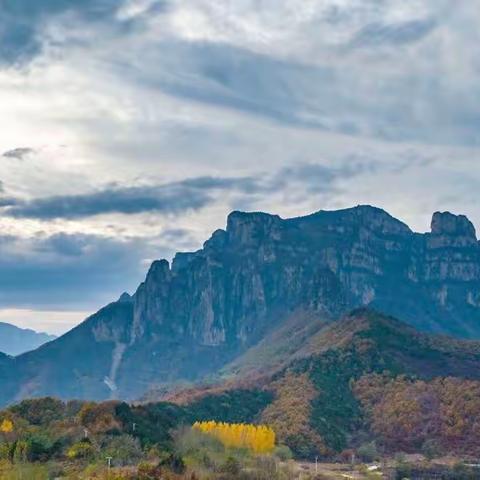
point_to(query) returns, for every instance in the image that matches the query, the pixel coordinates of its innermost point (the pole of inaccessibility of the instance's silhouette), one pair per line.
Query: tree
(368, 452)
(290, 415)
(40, 411)
(20, 453)
(100, 417)
(124, 449)
(6, 426)
(258, 438)
(81, 450)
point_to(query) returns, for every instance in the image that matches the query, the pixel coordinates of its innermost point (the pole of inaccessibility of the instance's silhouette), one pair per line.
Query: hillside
(14, 340)
(347, 354)
(256, 293)
(368, 384)
(323, 401)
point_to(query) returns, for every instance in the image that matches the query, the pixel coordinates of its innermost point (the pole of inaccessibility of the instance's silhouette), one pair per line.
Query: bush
(40, 411)
(431, 449)
(41, 448)
(7, 450)
(99, 417)
(124, 450)
(283, 453)
(231, 467)
(81, 450)
(175, 463)
(368, 452)
(265, 468)
(20, 452)
(147, 471)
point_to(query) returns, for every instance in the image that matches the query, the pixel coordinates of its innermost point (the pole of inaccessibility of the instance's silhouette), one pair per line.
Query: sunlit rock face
(188, 319)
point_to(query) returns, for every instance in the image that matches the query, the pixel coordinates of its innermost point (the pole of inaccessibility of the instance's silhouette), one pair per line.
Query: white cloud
(163, 91)
(54, 322)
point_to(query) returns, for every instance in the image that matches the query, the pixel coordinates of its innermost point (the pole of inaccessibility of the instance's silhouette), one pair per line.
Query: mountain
(367, 377)
(370, 377)
(259, 279)
(367, 384)
(14, 340)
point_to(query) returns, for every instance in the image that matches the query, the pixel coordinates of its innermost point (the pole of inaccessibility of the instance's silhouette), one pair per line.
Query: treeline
(328, 409)
(47, 438)
(257, 438)
(434, 417)
(39, 430)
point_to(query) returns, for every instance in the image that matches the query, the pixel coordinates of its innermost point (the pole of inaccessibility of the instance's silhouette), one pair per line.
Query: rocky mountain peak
(249, 229)
(217, 240)
(446, 223)
(125, 298)
(159, 271)
(379, 220)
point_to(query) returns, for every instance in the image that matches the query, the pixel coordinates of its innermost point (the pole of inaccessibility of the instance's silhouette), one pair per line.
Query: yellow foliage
(258, 438)
(6, 426)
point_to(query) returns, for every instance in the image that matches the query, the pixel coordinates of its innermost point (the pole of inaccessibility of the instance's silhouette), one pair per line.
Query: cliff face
(262, 267)
(186, 321)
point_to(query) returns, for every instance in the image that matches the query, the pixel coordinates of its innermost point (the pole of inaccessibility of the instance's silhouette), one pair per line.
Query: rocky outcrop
(188, 319)
(249, 276)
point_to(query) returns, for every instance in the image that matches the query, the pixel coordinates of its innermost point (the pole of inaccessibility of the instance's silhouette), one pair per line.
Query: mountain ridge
(190, 319)
(15, 340)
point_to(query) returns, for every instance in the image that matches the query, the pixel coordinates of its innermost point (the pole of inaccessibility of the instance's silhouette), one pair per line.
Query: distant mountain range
(14, 340)
(252, 298)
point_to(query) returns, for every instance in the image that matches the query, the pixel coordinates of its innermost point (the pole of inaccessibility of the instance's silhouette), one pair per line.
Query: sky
(129, 129)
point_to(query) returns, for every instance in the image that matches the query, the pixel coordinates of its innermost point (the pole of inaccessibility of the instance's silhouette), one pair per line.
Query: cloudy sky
(130, 128)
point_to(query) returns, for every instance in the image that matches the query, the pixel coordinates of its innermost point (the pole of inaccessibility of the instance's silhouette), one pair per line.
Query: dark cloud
(7, 201)
(131, 200)
(175, 197)
(316, 177)
(318, 97)
(21, 22)
(379, 34)
(18, 153)
(178, 197)
(64, 271)
(182, 196)
(239, 79)
(70, 271)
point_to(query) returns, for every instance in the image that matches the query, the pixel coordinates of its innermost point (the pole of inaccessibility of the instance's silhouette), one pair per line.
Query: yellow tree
(257, 438)
(6, 426)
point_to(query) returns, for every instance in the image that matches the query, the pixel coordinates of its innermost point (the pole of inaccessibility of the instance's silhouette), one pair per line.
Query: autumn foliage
(408, 414)
(6, 426)
(258, 438)
(289, 414)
